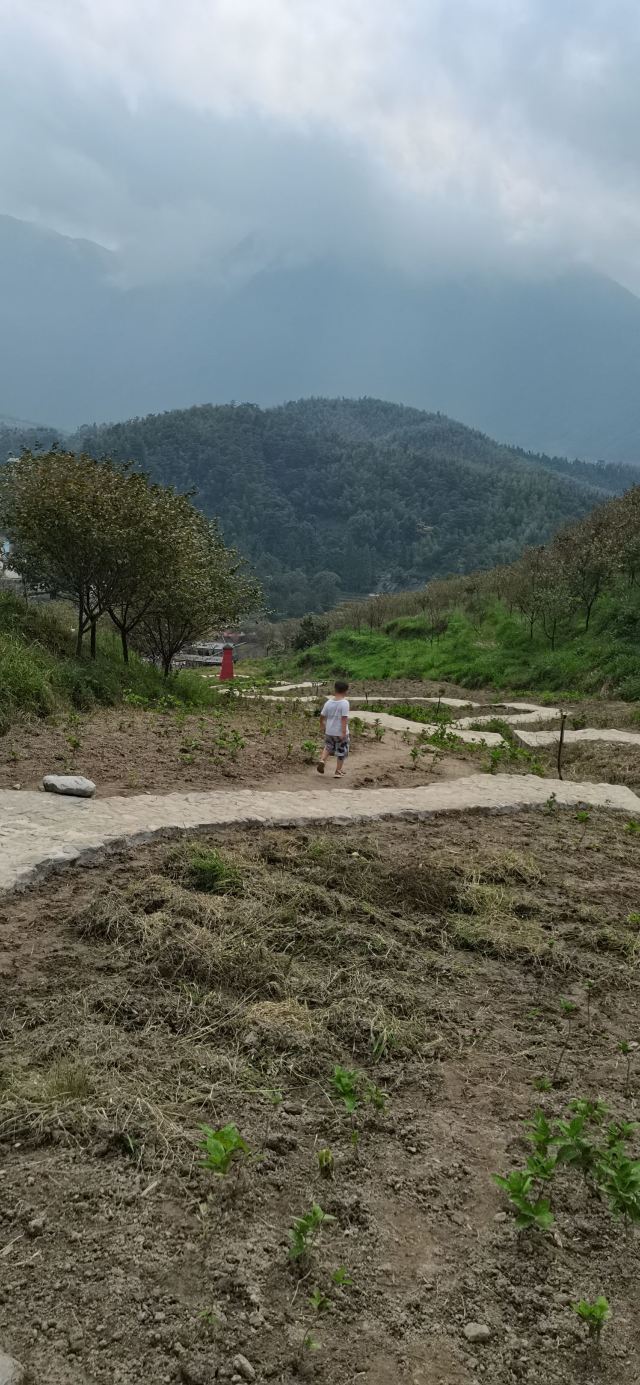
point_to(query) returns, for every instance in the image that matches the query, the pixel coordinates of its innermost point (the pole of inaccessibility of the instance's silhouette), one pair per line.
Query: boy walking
(334, 720)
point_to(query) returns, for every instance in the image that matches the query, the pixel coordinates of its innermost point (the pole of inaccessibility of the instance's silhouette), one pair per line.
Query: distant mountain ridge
(550, 364)
(338, 497)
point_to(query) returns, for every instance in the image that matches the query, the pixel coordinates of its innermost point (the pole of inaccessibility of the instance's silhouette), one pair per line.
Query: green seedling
(573, 1148)
(620, 1180)
(529, 1214)
(220, 1148)
(325, 1163)
(415, 753)
(632, 827)
(319, 1301)
(341, 1278)
(305, 1231)
(595, 1112)
(540, 1132)
(378, 731)
(376, 1097)
(593, 1315)
(551, 805)
(542, 1083)
(309, 751)
(345, 1082)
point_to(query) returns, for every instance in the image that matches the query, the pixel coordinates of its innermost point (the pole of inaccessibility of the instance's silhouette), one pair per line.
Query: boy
(334, 720)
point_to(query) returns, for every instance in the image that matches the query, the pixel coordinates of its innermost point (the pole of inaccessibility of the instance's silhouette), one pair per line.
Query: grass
(495, 652)
(39, 672)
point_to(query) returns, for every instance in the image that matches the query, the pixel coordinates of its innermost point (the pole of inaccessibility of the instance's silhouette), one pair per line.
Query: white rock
(11, 1372)
(72, 784)
(477, 1332)
(244, 1368)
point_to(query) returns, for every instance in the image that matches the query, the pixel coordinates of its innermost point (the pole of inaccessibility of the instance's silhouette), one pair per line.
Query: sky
(218, 136)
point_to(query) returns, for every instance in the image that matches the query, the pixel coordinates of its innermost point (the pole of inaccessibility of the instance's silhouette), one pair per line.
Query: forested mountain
(335, 497)
(552, 364)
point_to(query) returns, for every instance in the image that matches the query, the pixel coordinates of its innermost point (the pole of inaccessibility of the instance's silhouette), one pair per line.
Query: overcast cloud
(225, 134)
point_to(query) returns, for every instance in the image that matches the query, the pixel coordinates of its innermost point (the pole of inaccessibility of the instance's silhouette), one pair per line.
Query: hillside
(549, 363)
(337, 497)
(563, 617)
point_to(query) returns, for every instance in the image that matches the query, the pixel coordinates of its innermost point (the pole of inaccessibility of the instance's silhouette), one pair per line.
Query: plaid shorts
(336, 745)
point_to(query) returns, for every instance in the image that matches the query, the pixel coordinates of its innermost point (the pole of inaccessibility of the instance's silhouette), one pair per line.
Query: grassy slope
(38, 671)
(497, 652)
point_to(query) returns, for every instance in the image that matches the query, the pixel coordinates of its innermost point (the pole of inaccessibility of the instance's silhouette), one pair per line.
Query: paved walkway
(593, 733)
(39, 832)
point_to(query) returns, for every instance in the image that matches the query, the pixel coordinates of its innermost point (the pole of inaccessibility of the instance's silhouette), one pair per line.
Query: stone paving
(415, 728)
(40, 832)
(593, 733)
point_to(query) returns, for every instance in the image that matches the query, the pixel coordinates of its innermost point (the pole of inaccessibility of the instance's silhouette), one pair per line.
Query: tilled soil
(429, 959)
(131, 751)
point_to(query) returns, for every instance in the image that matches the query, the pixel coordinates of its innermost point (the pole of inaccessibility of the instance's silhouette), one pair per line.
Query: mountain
(335, 497)
(553, 364)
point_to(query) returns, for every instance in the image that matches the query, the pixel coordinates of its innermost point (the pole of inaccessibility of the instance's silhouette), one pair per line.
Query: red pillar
(226, 671)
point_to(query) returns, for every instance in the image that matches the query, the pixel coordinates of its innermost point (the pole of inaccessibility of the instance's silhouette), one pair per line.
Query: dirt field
(132, 750)
(223, 983)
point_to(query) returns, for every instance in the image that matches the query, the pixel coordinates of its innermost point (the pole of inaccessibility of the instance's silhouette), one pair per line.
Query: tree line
(549, 585)
(119, 545)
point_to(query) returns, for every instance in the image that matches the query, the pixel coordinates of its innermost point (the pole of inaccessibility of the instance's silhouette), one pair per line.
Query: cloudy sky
(229, 133)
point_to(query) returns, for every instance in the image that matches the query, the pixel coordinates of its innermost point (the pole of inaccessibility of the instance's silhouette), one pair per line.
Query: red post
(226, 672)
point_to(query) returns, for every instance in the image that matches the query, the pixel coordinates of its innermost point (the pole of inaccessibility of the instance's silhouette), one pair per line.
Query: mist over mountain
(551, 364)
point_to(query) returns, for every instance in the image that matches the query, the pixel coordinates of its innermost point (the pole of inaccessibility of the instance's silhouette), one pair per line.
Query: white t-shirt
(335, 708)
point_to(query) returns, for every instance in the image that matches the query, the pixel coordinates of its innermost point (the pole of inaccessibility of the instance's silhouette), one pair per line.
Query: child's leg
(328, 750)
(341, 755)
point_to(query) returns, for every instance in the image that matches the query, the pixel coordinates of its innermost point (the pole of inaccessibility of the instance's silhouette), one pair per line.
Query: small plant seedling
(632, 827)
(345, 1082)
(319, 1301)
(568, 1008)
(309, 751)
(573, 1148)
(325, 1163)
(376, 1097)
(381, 1041)
(551, 805)
(620, 1180)
(415, 753)
(341, 1278)
(627, 1049)
(529, 1214)
(595, 1112)
(593, 1315)
(220, 1148)
(542, 1083)
(378, 731)
(305, 1230)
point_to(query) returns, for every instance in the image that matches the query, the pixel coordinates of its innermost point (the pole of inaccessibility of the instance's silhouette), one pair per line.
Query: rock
(477, 1332)
(72, 784)
(244, 1368)
(500, 1216)
(11, 1372)
(36, 1225)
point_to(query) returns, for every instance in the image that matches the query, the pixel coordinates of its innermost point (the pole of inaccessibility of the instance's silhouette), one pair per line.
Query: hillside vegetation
(39, 673)
(564, 617)
(329, 498)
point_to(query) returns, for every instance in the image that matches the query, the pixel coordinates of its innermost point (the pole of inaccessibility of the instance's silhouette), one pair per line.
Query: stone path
(572, 737)
(415, 728)
(39, 832)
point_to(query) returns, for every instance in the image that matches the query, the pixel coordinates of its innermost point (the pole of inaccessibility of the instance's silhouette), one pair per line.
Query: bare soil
(429, 958)
(131, 751)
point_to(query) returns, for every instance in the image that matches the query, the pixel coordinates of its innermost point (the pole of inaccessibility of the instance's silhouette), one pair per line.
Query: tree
(582, 551)
(58, 511)
(310, 631)
(204, 586)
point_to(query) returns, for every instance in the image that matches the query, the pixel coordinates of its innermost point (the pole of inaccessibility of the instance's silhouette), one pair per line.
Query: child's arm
(345, 723)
